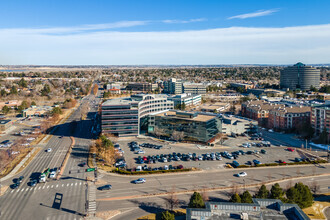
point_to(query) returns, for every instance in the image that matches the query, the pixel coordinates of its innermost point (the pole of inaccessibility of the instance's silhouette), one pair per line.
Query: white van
(138, 168)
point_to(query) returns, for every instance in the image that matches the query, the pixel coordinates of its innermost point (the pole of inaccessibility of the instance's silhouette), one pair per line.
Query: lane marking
(68, 184)
(26, 189)
(52, 186)
(62, 185)
(80, 183)
(43, 187)
(76, 184)
(18, 190)
(39, 187)
(56, 185)
(71, 184)
(47, 187)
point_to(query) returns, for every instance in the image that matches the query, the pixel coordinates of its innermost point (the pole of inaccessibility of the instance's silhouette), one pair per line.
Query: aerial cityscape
(164, 110)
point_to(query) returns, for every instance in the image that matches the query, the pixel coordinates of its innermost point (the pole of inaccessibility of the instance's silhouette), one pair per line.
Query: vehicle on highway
(43, 176)
(15, 185)
(52, 174)
(140, 180)
(20, 179)
(49, 150)
(241, 174)
(33, 183)
(83, 164)
(105, 187)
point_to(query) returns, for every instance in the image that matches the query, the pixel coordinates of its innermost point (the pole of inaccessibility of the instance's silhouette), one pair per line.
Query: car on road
(15, 185)
(241, 174)
(140, 180)
(20, 179)
(271, 130)
(83, 164)
(52, 174)
(33, 183)
(105, 187)
(49, 150)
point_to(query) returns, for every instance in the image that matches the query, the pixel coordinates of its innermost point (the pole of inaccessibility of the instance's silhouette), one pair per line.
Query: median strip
(66, 158)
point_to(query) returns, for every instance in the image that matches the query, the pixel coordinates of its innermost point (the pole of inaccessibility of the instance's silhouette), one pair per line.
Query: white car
(49, 150)
(141, 180)
(52, 174)
(25, 144)
(30, 138)
(242, 174)
(140, 152)
(271, 130)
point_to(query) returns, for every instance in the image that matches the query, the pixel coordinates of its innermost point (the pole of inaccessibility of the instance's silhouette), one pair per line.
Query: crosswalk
(45, 187)
(91, 199)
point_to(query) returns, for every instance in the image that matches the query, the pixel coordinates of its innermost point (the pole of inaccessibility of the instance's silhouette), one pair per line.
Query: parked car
(281, 161)
(33, 182)
(105, 187)
(49, 150)
(297, 159)
(140, 180)
(290, 149)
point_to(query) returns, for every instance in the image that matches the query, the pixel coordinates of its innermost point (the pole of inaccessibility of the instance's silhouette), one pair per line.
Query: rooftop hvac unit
(244, 216)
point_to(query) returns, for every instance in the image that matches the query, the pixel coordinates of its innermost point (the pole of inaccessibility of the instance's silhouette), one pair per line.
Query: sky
(178, 32)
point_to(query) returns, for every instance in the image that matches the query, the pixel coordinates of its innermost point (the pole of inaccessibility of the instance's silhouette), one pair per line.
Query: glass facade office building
(194, 126)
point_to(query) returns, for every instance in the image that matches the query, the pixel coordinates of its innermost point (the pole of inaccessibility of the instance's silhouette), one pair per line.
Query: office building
(320, 118)
(192, 126)
(194, 88)
(36, 111)
(125, 116)
(260, 209)
(142, 87)
(173, 86)
(5, 124)
(242, 85)
(186, 99)
(300, 76)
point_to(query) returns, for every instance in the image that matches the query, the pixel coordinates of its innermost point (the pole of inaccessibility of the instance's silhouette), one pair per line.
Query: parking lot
(201, 157)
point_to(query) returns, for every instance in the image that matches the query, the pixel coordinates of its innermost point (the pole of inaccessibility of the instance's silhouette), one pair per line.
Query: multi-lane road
(56, 199)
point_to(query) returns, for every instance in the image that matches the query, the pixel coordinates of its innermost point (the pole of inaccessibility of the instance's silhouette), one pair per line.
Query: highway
(39, 202)
(130, 198)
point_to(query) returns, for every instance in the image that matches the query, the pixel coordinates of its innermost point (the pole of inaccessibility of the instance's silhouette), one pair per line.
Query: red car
(144, 158)
(290, 149)
(281, 161)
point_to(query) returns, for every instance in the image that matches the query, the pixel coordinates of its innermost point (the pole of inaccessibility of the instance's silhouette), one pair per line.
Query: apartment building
(320, 118)
(287, 118)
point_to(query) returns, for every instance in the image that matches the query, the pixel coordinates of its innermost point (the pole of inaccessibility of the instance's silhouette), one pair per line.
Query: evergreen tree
(13, 90)
(196, 201)
(246, 197)
(33, 103)
(5, 109)
(167, 216)
(276, 192)
(235, 198)
(3, 92)
(22, 83)
(46, 90)
(301, 195)
(263, 193)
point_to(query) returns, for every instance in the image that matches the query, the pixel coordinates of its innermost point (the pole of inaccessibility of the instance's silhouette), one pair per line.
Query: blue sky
(164, 32)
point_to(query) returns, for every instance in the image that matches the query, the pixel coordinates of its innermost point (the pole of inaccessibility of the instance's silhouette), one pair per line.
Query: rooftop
(119, 101)
(180, 115)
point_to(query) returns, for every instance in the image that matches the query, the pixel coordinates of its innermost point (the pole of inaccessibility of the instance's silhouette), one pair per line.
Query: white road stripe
(12, 191)
(56, 185)
(27, 189)
(76, 184)
(68, 184)
(31, 189)
(43, 187)
(39, 187)
(80, 183)
(62, 185)
(52, 186)
(71, 184)
(18, 190)
(47, 187)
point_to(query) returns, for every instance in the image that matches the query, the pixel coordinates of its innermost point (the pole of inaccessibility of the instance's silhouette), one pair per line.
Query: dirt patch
(14, 162)
(3, 189)
(108, 214)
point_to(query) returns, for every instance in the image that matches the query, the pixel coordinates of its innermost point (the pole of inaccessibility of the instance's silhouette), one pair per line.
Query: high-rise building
(173, 86)
(320, 118)
(300, 76)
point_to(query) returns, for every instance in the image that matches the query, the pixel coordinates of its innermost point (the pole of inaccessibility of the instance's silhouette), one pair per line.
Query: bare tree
(205, 195)
(84, 110)
(315, 187)
(159, 132)
(177, 136)
(172, 200)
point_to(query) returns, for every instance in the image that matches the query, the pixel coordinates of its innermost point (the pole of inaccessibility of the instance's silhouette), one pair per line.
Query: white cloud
(254, 14)
(235, 45)
(184, 21)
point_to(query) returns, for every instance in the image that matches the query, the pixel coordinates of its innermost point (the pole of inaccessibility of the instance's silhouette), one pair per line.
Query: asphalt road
(128, 197)
(39, 202)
